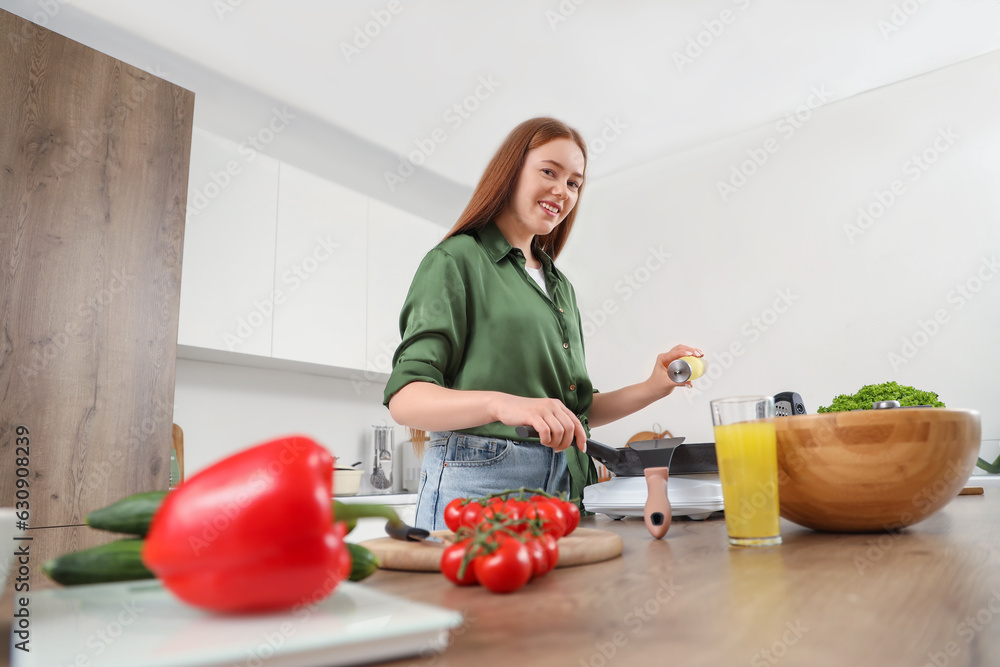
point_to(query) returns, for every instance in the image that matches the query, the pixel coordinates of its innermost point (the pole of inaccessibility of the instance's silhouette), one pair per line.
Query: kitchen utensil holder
(380, 471)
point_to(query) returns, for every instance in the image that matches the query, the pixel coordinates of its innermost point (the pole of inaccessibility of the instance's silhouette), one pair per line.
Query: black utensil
(631, 461)
(401, 531)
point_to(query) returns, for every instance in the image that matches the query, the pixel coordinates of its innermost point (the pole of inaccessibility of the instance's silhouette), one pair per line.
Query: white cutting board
(140, 624)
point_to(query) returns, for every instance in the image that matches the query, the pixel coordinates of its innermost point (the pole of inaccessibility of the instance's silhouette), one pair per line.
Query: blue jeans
(457, 465)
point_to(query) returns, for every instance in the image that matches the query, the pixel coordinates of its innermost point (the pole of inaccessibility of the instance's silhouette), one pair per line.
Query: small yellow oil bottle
(686, 368)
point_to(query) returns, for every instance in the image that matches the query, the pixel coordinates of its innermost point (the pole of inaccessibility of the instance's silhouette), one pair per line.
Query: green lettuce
(887, 391)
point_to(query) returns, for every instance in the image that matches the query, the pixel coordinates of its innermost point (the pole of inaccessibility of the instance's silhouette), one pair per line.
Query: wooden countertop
(927, 595)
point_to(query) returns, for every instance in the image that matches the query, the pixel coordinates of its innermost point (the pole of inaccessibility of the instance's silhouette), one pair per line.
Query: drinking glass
(746, 447)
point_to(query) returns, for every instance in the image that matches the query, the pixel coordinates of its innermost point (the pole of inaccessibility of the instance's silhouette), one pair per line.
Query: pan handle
(657, 512)
(609, 456)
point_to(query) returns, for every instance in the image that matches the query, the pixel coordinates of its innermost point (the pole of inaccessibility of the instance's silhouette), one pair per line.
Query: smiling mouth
(551, 209)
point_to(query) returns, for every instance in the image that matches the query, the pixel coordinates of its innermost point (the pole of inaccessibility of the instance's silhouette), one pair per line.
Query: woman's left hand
(613, 405)
(660, 378)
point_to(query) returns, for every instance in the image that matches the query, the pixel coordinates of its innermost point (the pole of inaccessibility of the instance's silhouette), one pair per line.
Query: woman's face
(548, 187)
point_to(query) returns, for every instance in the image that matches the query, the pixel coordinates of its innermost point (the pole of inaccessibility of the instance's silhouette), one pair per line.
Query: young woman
(492, 337)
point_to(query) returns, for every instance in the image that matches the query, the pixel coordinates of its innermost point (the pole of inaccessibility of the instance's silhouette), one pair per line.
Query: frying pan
(655, 460)
(631, 461)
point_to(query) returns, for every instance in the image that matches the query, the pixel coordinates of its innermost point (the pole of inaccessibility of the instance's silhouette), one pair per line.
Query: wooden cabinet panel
(397, 243)
(319, 274)
(227, 292)
(93, 188)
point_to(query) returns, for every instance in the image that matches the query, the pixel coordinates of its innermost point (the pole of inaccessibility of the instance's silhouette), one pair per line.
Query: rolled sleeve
(433, 325)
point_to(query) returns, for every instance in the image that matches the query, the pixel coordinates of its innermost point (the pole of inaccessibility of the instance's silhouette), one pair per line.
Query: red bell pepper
(254, 532)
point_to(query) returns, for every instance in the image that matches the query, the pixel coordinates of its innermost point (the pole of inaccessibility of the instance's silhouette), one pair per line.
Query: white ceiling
(603, 62)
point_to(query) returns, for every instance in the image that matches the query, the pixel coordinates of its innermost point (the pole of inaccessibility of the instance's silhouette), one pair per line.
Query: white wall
(852, 300)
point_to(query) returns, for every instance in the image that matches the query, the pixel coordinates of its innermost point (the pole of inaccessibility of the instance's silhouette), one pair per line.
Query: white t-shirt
(538, 275)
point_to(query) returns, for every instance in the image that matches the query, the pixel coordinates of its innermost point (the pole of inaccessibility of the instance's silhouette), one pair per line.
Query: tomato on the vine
(506, 539)
(552, 515)
(551, 547)
(453, 514)
(539, 558)
(501, 510)
(471, 514)
(572, 513)
(451, 564)
(507, 568)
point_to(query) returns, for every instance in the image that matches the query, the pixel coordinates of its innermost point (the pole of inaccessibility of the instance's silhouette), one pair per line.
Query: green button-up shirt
(475, 320)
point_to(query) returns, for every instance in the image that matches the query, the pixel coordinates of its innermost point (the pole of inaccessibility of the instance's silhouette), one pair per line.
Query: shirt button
(565, 346)
(560, 310)
(572, 387)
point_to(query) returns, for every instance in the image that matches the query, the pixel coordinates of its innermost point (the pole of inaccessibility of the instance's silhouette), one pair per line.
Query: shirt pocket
(475, 450)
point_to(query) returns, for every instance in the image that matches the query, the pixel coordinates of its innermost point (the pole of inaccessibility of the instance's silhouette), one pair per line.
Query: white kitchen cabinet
(397, 242)
(228, 264)
(319, 271)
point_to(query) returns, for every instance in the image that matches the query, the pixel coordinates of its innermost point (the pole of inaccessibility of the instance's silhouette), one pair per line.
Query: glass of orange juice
(746, 447)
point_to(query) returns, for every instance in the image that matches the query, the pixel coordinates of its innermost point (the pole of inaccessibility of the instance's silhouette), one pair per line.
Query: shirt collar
(497, 246)
(494, 242)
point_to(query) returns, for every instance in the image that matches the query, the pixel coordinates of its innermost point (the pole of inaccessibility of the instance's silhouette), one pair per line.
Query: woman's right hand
(557, 426)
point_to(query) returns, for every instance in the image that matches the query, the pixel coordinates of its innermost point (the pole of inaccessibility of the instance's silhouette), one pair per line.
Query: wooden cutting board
(585, 545)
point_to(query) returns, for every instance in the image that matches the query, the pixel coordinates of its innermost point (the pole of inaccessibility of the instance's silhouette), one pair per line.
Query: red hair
(495, 190)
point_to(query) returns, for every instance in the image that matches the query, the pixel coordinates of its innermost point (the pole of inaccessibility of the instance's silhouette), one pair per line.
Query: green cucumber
(363, 562)
(131, 515)
(120, 560)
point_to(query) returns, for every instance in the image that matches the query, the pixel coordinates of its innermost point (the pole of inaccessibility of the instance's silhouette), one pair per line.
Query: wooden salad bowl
(873, 470)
